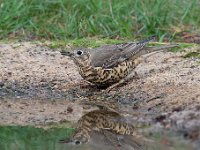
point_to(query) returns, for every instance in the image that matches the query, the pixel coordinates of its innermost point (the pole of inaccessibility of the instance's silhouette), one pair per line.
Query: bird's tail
(158, 48)
(148, 50)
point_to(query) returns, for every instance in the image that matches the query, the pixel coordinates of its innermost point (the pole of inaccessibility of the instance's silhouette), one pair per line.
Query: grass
(69, 19)
(84, 42)
(31, 138)
(192, 55)
(182, 46)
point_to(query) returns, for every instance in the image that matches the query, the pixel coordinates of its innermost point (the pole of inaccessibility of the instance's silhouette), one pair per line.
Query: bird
(110, 65)
(101, 121)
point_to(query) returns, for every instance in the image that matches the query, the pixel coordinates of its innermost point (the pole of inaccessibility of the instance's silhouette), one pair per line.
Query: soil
(38, 86)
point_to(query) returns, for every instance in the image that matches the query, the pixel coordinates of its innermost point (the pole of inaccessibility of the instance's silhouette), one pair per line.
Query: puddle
(31, 138)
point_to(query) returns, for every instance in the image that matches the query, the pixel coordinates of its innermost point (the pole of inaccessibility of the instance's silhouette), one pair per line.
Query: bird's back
(109, 56)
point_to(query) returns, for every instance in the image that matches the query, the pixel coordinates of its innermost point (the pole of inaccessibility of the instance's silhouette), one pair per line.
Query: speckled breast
(101, 76)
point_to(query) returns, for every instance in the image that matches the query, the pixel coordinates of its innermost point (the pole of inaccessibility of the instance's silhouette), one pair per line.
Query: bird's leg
(86, 84)
(114, 85)
(89, 83)
(130, 76)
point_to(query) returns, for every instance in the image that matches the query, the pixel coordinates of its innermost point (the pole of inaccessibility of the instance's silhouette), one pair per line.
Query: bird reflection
(105, 128)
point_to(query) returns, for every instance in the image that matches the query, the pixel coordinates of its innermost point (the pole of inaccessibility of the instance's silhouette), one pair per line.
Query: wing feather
(109, 56)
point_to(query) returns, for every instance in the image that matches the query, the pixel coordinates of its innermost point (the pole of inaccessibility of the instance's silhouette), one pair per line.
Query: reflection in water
(105, 128)
(110, 141)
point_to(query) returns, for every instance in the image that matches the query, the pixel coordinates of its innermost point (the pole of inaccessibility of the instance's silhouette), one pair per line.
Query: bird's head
(79, 56)
(79, 139)
(76, 140)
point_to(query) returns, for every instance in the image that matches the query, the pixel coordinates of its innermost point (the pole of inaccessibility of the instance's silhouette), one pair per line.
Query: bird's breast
(102, 76)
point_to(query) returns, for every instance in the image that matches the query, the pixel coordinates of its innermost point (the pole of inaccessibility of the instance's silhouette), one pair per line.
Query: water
(31, 138)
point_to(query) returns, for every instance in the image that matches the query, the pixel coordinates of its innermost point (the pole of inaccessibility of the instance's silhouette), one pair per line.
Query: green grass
(31, 138)
(181, 47)
(192, 55)
(84, 42)
(64, 19)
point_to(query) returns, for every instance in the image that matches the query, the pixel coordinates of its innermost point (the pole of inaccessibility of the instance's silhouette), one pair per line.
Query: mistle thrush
(110, 65)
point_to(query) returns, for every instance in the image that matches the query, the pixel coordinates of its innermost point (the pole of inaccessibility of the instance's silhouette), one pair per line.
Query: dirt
(38, 86)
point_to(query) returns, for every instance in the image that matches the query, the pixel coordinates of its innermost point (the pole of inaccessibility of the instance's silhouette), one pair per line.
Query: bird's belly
(100, 76)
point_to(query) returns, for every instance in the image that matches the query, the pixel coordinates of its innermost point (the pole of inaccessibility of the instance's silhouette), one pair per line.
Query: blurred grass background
(72, 19)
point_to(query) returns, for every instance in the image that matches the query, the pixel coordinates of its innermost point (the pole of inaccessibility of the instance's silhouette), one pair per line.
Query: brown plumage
(111, 64)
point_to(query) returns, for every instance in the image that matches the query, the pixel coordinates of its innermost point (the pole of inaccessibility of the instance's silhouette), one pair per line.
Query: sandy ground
(39, 86)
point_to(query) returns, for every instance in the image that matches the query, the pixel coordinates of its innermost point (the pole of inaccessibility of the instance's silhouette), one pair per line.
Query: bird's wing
(109, 56)
(100, 55)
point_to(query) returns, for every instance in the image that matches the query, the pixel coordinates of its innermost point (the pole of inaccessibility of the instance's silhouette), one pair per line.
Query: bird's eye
(77, 142)
(79, 52)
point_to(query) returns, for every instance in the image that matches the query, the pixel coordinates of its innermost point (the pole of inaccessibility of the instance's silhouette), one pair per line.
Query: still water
(31, 138)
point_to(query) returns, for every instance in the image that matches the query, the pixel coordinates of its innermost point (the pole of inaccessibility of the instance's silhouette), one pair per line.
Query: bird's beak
(65, 53)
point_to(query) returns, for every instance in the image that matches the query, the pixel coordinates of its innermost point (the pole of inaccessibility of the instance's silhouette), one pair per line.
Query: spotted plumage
(110, 64)
(99, 120)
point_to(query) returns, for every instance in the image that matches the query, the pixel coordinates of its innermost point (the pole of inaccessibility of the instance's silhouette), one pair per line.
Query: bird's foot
(113, 86)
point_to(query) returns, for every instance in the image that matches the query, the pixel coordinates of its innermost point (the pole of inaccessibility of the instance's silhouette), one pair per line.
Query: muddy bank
(39, 86)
